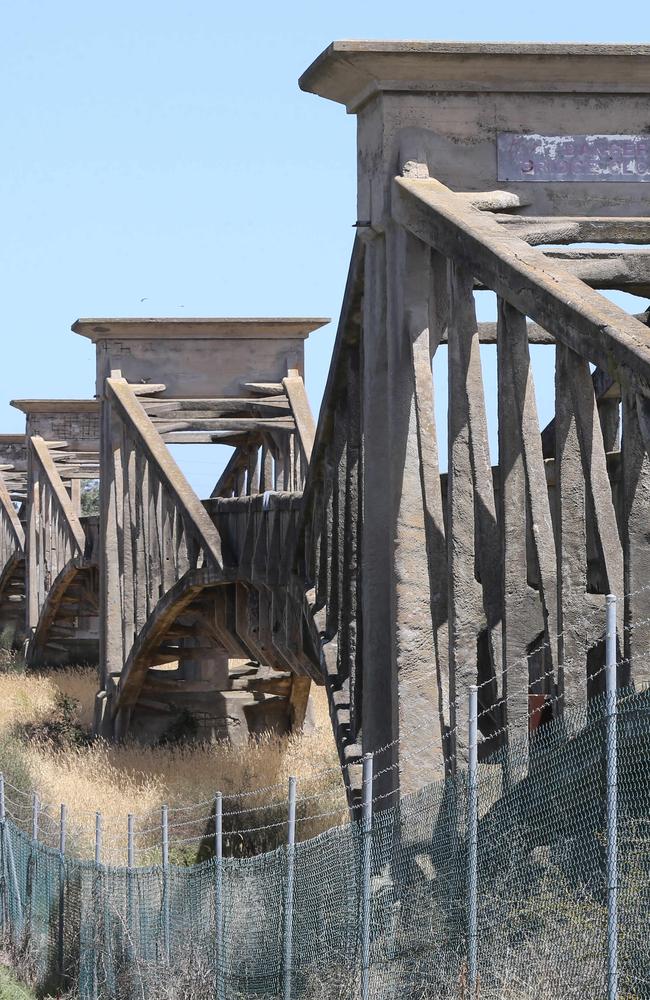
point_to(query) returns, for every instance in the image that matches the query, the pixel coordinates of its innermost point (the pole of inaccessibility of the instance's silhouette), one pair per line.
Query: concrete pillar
(452, 112)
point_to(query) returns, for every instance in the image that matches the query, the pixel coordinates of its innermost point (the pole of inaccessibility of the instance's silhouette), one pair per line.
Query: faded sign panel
(573, 157)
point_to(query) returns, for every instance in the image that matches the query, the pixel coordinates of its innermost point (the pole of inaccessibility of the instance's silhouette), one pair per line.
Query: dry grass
(130, 778)
(34, 698)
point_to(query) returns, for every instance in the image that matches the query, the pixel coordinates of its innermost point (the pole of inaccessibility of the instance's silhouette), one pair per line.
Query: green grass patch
(11, 989)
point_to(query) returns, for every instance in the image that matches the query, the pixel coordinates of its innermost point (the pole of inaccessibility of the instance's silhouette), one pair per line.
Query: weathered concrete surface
(12, 563)
(197, 358)
(416, 665)
(544, 527)
(13, 449)
(60, 450)
(188, 583)
(449, 100)
(13, 462)
(73, 421)
(528, 279)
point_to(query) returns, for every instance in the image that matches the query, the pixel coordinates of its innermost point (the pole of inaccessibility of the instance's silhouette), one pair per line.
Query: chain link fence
(218, 929)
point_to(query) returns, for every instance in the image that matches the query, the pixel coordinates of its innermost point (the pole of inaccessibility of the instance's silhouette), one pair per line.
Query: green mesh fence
(106, 932)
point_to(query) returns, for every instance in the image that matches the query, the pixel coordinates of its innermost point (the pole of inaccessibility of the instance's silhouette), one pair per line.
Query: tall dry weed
(118, 780)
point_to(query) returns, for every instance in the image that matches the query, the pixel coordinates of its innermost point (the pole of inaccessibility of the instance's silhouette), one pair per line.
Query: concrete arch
(77, 585)
(195, 645)
(12, 601)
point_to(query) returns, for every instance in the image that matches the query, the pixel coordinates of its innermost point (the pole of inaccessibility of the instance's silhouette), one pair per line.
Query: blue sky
(164, 151)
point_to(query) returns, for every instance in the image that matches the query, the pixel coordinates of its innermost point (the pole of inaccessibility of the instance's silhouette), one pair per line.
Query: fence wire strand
(113, 934)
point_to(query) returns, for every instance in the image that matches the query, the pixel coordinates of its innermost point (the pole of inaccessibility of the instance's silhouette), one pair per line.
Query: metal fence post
(366, 858)
(61, 928)
(3, 847)
(36, 811)
(612, 801)
(218, 895)
(4, 901)
(130, 859)
(288, 907)
(98, 860)
(8, 859)
(165, 863)
(472, 844)
(33, 853)
(130, 851)
(98, 839)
